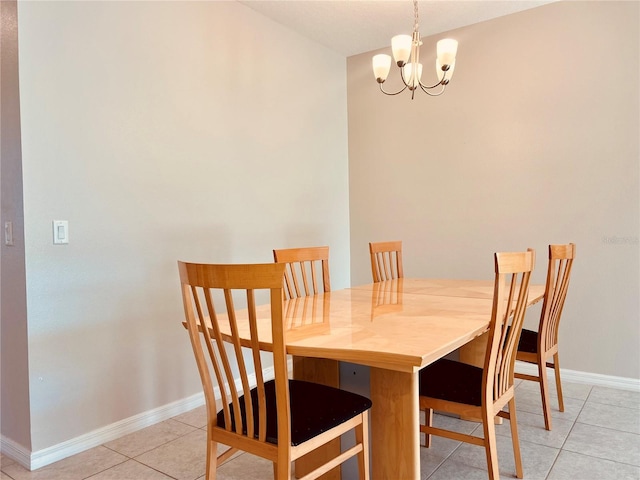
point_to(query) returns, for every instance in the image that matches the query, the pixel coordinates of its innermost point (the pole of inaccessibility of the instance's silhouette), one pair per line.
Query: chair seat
(453, 381)
(315, 409)
(528, 341)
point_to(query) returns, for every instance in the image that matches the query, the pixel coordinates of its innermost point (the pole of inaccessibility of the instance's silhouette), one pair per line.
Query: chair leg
(515, 438)
(544, 392)
(362, 436)
(282, 470)
(556, 369)
(428, 421)
(490, 446)
(212, 459)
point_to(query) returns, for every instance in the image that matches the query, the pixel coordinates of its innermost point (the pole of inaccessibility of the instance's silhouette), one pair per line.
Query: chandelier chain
(416, 25)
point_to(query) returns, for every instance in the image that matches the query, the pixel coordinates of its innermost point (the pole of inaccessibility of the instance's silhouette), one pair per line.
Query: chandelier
(406, 53)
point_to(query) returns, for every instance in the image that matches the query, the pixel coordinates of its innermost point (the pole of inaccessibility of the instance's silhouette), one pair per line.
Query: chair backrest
(300, 276)
(386, 260)
(208, 290)
(510, 296)
(558, 275)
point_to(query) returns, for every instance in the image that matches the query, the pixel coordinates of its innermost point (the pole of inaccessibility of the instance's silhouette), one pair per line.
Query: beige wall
(14, 358)
(198, 131)
(535, 142)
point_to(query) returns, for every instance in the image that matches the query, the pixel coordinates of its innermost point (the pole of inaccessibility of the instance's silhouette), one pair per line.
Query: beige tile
(5, 461)
(578, 391)
(149, 438)
(183, 458)
(431, 458)
(130, 470)
(612, 396)
(77, 467)
(456, 470)
(246, 467)
(571, 465)
(530, 401)
(604, 443)
(429, 461)
(4, 476)
(536, 459)
(196, 417)
(610, 416)
(531, 429)
(443, 447)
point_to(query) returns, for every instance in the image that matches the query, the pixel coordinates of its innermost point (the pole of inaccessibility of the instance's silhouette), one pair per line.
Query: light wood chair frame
(498, 372)
(301, 273)
(197, 283)
(386, 260)
(558, 275)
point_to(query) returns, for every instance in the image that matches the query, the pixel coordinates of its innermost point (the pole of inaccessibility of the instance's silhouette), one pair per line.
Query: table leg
(326, 372)
(395, 432)
(474, 353)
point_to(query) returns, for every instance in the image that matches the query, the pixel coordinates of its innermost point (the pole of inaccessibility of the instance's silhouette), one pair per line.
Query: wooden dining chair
(386, 260)
(470, 391)
(301, 273)
(538, 347)
(279, 419)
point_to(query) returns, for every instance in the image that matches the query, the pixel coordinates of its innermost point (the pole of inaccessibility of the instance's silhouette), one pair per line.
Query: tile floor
(597, 437)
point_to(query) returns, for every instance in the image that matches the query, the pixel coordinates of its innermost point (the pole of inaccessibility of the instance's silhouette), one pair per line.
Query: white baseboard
(596, 379)
(46, 456)
(15, 451)
(49, 455)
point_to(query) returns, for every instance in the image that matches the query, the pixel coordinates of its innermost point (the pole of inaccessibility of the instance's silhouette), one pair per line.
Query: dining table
(395, 327)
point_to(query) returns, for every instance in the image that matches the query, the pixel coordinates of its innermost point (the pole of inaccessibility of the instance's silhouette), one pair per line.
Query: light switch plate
(8, 233)
(60, 232)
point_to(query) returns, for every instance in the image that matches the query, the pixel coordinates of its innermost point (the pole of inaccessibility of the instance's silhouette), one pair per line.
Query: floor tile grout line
(592, 425)
(104, 470)
(609, 428)
(561, 449)
(152, 468)
(601, 458)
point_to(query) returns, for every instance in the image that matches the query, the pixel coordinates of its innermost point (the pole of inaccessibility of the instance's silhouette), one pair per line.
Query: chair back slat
(303, 267)
(386, 260)
(558, 276)
(511, 290)
(215, 338)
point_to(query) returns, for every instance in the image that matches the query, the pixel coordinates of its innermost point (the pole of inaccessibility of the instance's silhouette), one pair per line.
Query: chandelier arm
(423, 86)
(402, 77)
(392, 93)
(433, 94)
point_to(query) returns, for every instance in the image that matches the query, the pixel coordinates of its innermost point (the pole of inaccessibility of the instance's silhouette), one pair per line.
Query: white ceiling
(351, 27)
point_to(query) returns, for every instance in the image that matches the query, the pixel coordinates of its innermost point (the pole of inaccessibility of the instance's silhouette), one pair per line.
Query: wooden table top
(402, 324)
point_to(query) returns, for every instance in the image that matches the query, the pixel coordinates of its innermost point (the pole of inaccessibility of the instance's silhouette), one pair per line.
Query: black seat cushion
(453, 381)
(315, 409)
(528, 341)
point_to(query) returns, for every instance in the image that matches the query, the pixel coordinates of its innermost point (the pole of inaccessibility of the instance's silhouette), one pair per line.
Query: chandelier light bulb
(401, 47)
(411, 81)
(447, 49)
(381, 66)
